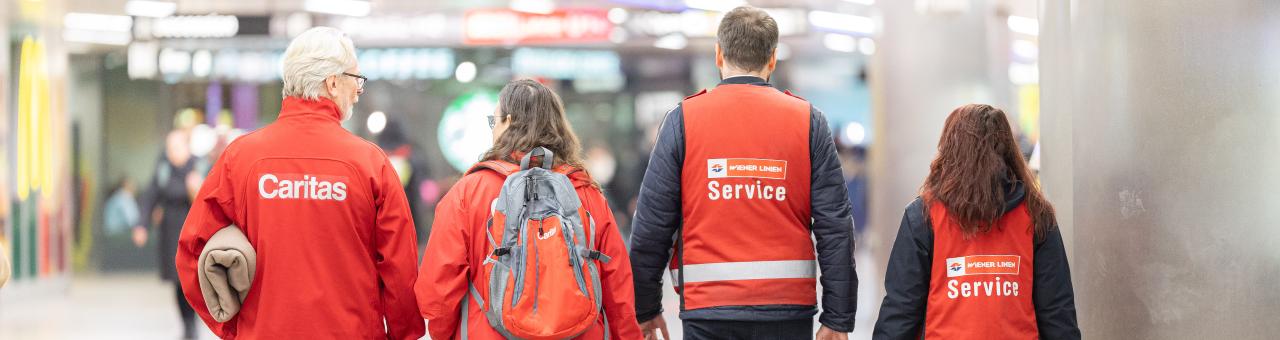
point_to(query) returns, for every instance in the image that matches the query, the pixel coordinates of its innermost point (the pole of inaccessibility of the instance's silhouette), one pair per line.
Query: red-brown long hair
(976, 155)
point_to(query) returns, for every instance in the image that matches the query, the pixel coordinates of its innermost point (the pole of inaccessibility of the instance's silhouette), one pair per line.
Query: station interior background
(1150, 124)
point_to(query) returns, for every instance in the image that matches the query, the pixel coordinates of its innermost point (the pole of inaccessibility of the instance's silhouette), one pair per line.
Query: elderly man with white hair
(324, 210)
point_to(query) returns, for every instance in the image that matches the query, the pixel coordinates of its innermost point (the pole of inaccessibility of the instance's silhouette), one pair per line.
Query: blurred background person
(120, 212)
(410, 162)
(167, 200)
(853, 162)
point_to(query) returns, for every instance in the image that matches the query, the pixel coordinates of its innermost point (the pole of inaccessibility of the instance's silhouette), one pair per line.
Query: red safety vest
(980, 287)
(745, 240)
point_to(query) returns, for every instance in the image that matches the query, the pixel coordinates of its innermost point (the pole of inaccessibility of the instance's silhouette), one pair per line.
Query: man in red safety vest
(743, 179)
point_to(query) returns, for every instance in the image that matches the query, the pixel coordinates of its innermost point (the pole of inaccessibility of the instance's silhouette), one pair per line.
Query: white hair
(312, 57)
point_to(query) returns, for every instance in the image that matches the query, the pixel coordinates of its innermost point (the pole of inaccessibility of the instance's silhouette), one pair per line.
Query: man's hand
(825, 333)
(139, 236)
(651, 328)
(194, 181)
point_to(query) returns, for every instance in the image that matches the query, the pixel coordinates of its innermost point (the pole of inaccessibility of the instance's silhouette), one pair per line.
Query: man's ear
(773, 62)
(719, 57)
(331, 86)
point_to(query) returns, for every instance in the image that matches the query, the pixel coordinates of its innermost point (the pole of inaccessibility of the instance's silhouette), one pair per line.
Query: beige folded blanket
(226, 270)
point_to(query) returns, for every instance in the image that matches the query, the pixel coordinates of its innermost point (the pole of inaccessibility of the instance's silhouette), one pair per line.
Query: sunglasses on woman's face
(493, 121)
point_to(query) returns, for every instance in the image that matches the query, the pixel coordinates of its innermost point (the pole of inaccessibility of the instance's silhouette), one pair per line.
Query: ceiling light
(1024, 25)
(466, 72)
(841, 22)
(150, 8)
(840, 42)
(543, 7)
(353, 8)
(98, 22)
(714, 5)
(377, 122)
(674, 41)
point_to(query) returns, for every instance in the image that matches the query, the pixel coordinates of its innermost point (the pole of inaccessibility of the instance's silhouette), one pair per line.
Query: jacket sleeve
(1052, 293)
(213, 209)
(397, 257)
(658, 216)
(906, 280)
(618, 297)
(832, 228)
(442, 278)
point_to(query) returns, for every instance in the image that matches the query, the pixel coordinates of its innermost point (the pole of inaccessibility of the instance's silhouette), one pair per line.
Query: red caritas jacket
(458, 240)
(329, 220)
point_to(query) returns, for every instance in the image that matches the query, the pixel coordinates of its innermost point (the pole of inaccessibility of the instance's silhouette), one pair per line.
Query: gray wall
(1160, 147)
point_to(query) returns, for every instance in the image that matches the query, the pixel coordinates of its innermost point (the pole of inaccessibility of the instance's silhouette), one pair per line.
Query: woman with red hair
(978, 254)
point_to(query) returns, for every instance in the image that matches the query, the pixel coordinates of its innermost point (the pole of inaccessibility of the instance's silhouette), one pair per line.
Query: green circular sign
(464, 132)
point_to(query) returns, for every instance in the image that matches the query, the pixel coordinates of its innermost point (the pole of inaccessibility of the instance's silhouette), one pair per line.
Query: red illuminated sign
(506, 27)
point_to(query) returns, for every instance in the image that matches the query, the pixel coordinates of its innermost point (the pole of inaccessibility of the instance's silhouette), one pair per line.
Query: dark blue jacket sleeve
(832, 228)
(1052, 293)
(658, 216)
(906, 281)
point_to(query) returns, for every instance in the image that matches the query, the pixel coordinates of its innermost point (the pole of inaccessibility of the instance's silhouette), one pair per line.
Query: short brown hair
(747, 37)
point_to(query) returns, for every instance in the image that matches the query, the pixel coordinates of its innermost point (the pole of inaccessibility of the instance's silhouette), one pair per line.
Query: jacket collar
(751, 80)
(1014, 193)
(298, 107)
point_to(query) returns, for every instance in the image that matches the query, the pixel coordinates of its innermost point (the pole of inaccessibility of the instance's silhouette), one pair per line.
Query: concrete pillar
(1160, 150)
(927, 64)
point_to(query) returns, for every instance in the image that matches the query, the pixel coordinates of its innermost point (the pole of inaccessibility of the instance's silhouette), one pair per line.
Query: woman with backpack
(978, 254)
(524, 245)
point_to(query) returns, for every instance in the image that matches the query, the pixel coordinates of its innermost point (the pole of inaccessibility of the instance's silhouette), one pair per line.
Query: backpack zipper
(537, 284)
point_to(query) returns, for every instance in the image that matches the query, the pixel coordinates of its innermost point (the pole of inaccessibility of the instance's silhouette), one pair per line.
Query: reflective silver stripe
(754, 270)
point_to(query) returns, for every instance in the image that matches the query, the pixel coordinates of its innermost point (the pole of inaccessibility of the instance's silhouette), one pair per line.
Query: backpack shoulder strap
(503, 168)
(591, 251)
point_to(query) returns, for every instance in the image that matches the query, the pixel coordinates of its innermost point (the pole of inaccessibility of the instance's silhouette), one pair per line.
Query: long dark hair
(976, 154)
(537, 119)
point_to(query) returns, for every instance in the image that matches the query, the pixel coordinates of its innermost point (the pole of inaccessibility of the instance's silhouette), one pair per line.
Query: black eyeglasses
(493, 121)
(359, 79)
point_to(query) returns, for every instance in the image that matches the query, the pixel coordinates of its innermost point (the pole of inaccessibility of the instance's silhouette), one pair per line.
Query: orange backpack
(540, 279)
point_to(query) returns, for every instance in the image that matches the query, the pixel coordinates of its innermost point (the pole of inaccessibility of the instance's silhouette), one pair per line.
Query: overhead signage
(703, 24)
(508, 27)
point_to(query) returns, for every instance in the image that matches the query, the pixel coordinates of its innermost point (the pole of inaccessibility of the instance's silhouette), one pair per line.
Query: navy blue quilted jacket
(658, 218)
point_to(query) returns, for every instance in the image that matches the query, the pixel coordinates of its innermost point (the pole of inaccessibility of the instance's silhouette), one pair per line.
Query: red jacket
(458, 240)
(327, 215)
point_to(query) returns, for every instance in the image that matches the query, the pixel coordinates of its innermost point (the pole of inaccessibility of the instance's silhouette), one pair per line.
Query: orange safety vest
(980, 286)
(745, 240)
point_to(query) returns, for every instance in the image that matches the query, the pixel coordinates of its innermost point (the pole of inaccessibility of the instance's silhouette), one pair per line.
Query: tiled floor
(133, 307)
(141, 307)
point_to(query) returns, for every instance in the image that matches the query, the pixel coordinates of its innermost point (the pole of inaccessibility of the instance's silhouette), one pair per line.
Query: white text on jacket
(307, 188)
